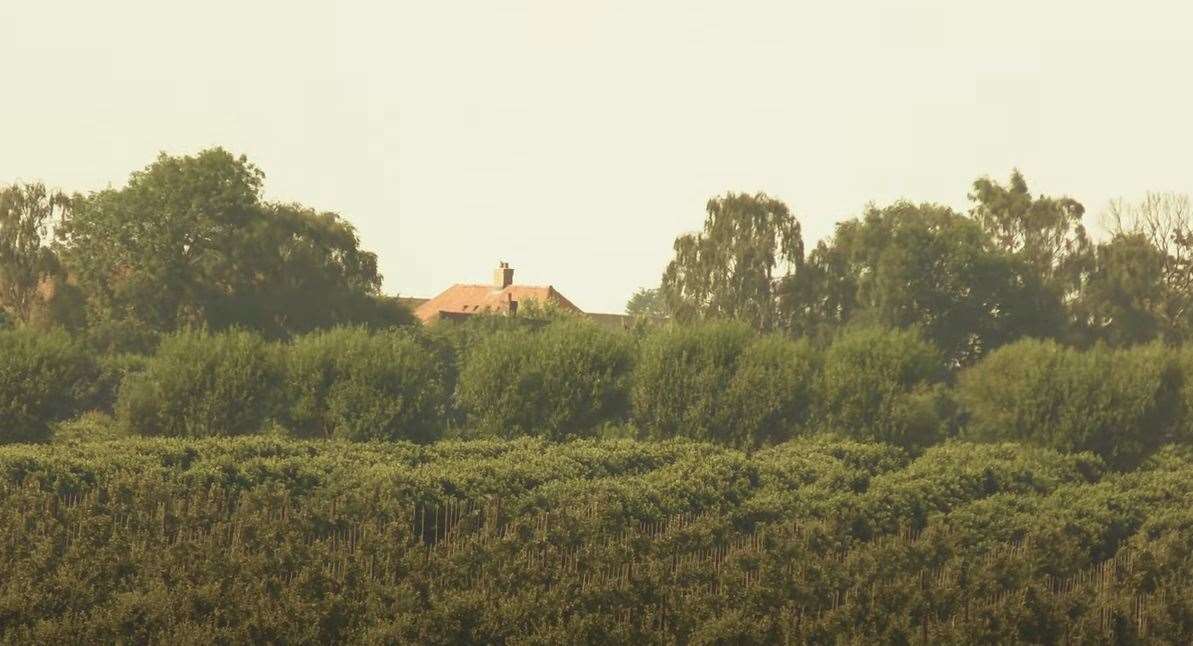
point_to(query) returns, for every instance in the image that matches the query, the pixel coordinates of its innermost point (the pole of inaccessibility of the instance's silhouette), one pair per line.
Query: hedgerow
(44, 378)
(268, 539)
(558, 382)
(355, 384)
(1122, 404)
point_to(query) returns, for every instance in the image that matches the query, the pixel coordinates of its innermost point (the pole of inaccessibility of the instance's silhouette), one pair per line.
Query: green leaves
(882, 385)
(814, 541)
(44, 378)
(353, 384)
(189, 242)
(728, 270)
(1120, 404)
(26, 262)
(200, 385)
(561, 381)
(923, 266)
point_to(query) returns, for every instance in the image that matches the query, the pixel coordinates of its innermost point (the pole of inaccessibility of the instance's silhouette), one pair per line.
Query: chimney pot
(504, 276)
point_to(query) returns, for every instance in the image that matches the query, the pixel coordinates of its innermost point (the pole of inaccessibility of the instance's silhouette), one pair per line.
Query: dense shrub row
(718, 382)
(1119, 403)
(267, 540)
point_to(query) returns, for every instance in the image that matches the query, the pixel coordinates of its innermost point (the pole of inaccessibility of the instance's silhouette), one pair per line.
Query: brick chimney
(504, 276)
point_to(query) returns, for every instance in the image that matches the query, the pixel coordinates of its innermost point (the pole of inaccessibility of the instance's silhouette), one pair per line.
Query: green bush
(682, 377)
(89, 427)
(564, 380)
(43, 378)
(1119, 404)
(769, 397)
(112, 371)
(1184, 365)
(200, 385)
(882, 385)
(453, 340)
(353, 384)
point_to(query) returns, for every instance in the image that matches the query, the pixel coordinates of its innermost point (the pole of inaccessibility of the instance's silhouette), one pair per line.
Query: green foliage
(727, 271)
(812, 541)
(923, 266)
(681, 380)
(1121, 301)
(43, 379)
(354, 384)
(91, 426)
(882, 385)
(26, 261)
(545, 310)
(113, 369)
(189, 242)
(201, 384)
(1119, 404)
(562, 381)
(1045, 232)
(647, 303)
(770, 395)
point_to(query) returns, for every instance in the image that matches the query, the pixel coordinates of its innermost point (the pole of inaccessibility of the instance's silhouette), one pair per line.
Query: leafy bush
(200, 384)
(353, 384)
(1184, 424)
(1120, 404)
(884, 385)
(681, 380)
(564, 380)
(112, 371)
(769, 397)
(43, 376)
(90, 426)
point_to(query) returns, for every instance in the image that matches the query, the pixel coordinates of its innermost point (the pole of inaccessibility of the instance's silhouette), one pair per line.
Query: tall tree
(26, 262)
(1165, 222)
(1045, 232)
(1123, 299)
(731, 269)
(917, 266)
(646, 303)
(189, 242)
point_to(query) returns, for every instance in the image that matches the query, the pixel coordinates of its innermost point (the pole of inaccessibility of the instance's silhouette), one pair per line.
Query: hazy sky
(577, 139)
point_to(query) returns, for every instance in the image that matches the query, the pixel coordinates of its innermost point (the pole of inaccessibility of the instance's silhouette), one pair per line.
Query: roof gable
(475, 299)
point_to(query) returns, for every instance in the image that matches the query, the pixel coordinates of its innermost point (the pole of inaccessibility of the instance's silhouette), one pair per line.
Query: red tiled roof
(469, 299)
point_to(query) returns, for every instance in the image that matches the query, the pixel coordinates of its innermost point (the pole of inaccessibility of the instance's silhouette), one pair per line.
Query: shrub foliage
(558, 382)
(44, 378)
(882, 385)
(1119, 403)
(200, 384)
(355, 384)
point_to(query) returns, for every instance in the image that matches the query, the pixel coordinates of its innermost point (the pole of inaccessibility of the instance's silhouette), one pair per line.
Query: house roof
(475, 299)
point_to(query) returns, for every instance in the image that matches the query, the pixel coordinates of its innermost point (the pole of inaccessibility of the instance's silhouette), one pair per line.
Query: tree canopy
(27, 212)
(917, 266)
(731, 268)
(189, 242)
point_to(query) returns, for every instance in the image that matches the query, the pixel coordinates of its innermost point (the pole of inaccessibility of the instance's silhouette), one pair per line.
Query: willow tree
(733, 267)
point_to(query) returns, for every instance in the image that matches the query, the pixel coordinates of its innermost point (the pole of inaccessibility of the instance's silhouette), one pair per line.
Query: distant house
(501, 296)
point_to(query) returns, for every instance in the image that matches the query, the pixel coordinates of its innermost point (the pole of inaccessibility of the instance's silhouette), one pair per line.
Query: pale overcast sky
(577, 139)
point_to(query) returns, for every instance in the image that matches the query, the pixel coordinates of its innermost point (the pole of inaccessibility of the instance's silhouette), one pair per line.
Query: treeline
(816, 541)
(187, 242)
(501, 378)
(1015, 266)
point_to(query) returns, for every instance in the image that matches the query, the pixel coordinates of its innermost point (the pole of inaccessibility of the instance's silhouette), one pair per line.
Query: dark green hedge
(1122, 404)
(359, 385)
(561, 381)
(44, 378)
(200, 385)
